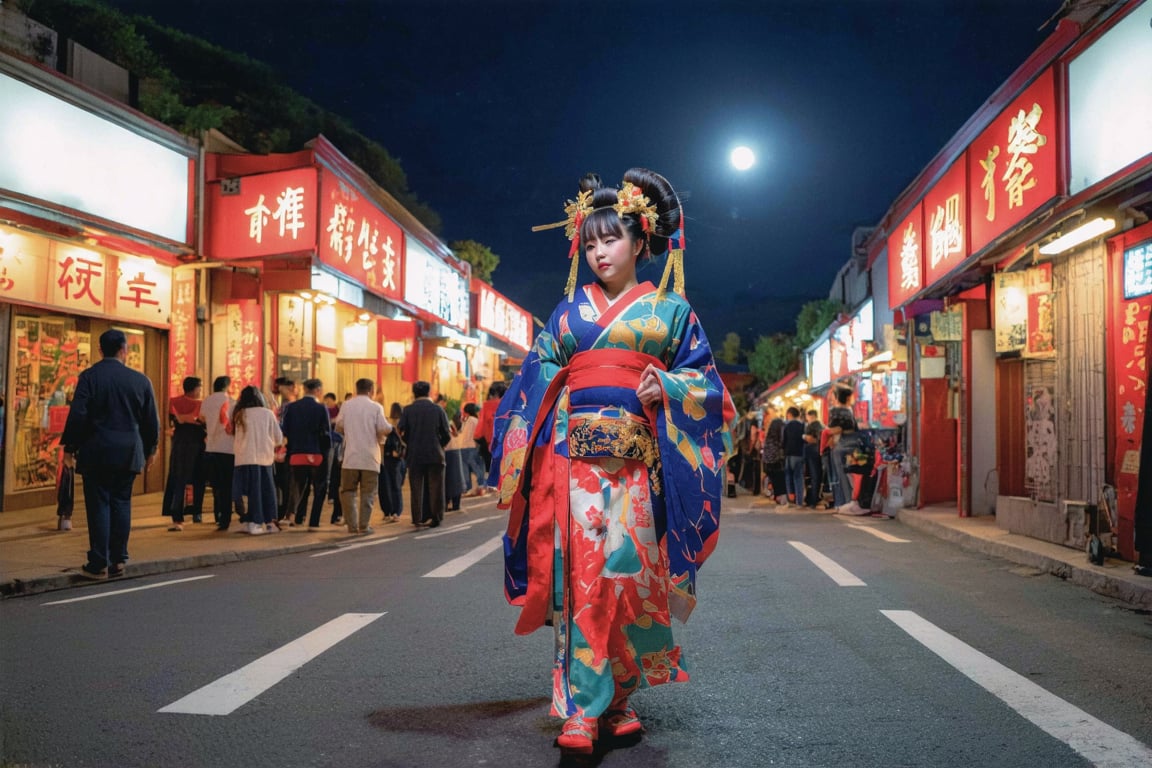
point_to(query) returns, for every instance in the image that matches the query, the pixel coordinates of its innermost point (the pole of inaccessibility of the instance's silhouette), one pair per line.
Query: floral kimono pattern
(612, 506)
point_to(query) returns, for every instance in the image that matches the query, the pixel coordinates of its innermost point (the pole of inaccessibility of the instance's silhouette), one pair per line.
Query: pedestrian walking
(621, 421)
(309, 434)
(842, 425)
(794, 457)
(454, 465)
(337, 462)
(361, 421)
(257, 435)
(813, 462)
(475, 474)
(219, 453)
(111, 435)
(772, 455)
(424, 427)
(185, 487)
(483, 434)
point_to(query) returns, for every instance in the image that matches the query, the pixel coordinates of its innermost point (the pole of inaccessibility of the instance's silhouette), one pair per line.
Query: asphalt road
(914, 653)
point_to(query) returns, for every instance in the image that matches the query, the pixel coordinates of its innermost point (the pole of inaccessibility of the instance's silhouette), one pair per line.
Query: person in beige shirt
(362, 422)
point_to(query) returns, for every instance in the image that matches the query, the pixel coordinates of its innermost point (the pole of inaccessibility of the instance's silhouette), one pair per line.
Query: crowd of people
(274, 459)
(805, 463)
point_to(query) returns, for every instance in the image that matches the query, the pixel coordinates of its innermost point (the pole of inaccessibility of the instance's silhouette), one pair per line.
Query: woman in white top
(470, 452)
(257, 434)
(454, 466)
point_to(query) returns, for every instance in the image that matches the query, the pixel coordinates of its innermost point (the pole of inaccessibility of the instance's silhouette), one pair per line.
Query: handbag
(305, 459)
(66, 492)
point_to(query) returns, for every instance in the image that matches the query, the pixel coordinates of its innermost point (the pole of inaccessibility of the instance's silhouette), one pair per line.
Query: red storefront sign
(1127, 377)
(359, 240)
(397, 340)
(495, 315)
(242, 344)
(905, 260)
(263, 215)
(946, 224)
(182, 338)
(1013, 165)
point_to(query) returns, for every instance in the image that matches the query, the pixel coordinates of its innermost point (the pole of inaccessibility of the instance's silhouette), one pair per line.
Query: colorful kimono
(612, 506)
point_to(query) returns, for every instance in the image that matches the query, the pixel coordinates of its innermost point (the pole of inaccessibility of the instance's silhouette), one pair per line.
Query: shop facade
(88, 241)
(320, 273)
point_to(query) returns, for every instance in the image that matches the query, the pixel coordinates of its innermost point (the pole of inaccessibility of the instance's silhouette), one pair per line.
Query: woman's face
(613, 260)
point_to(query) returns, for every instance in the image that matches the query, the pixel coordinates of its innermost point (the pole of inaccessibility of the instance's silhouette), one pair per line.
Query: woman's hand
(649, 391)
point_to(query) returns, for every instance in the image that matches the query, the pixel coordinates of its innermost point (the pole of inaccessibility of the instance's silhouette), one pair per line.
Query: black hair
(395, 411)
(329, 395)
(497, 389)
(112, 341)
(421, 389)
(221, 383)
(364, 386)
(250, 397)
(310, 385)
(604, 222)
(843, 393)
(793, 412)
(190, 384)
(471, 409)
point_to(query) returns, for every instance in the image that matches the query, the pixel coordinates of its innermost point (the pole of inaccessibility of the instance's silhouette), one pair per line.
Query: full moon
(743, 158)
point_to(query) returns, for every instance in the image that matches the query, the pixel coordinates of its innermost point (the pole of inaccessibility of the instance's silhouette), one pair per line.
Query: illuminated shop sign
(821, 369)
(263, 215)
(432, 285)
(906, 259)
(359, 240)
(64, 155)
(501, 318)
(946, 224)
(1012, 166)
(1138, 271)
(1109, 121)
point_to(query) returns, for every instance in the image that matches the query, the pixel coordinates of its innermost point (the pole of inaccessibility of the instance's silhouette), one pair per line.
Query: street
(817, 641)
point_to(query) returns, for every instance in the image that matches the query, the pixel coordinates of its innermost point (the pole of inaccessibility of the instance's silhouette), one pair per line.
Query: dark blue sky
(495, 109)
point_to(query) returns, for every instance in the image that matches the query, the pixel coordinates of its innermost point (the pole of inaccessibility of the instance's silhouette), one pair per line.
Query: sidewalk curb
(69, 579)
(1093, 577)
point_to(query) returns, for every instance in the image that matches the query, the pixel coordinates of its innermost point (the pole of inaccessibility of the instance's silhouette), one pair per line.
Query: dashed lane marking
(126, 591)
(350, 547)
(877, 533)
(229, 693)
(456, 528)
(1095, 740)
(458, 565)
(834, 570)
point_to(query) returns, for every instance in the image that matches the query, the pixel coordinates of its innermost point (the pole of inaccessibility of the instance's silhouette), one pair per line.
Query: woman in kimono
(609, 452)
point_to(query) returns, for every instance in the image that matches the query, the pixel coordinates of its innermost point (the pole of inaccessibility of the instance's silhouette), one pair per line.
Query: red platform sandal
(620, 722)
(578, 735)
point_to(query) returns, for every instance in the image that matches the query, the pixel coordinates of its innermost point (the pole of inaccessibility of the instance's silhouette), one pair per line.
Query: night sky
(495, 109)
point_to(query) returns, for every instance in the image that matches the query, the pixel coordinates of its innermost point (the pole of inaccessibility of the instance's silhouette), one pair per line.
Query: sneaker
(116, 570)
(64, 524)
(176, 527)
(93, 575)
(353, 530)
(256, 529)
(578, 735)
(272, 528)
(366, 531)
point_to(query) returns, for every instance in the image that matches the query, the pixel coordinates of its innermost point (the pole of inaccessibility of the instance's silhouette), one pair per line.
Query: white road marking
(350, 547)
(458, 565)
(229, 693)
(126, 591)
(877, 533)
(834, 570)
(445, 532)
(1096, 741)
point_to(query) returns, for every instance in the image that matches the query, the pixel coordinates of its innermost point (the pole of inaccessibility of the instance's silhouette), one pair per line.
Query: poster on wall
(1040, 442)
(182, 337)
(948, 325)
(1041, 312)
(1011, 310)
(48, 355)
(242, 345)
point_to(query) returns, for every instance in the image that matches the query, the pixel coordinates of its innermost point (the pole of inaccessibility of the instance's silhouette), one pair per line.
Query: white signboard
(435, 287)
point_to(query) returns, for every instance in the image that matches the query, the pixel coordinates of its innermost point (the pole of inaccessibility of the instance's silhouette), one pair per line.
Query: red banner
(1013, 165)
(245, 320)
(262, 215)
(182, 337)
(359, 240)
(495, 314)
(946, 224)
(397, 339)
(905, 260)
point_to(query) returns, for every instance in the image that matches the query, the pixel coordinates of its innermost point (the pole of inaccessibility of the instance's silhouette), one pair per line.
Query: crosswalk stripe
(877, 533)
(1098, 742)
(458, 565)
(229, 693)
(126, 591)
(834, 570)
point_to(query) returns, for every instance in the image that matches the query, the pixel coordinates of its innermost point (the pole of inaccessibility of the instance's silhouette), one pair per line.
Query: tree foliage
(814, 318)
(730, 351)
(192, 85)
(773, 357)
(480, 256)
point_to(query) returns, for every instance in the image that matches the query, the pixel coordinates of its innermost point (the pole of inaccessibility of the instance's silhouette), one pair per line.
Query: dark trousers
(430, 477)
(301, 479)
(186, 467)
(334, 489)
(108, 505)
(391, 489)
(220, 468)
(815, 467)
(282, 476)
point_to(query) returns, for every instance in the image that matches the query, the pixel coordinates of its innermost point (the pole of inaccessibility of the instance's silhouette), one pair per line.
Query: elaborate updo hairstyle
(604, 221)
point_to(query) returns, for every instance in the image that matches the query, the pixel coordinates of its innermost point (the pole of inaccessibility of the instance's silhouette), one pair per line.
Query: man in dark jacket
(110, 436)
(424, 427)
(308, 431)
